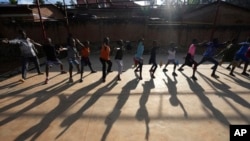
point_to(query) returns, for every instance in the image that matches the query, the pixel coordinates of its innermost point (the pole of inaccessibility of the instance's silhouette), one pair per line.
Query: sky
(31, 1)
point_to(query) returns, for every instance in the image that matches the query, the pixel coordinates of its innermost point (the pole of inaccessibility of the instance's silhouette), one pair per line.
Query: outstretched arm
(78, 41)
(35, 43)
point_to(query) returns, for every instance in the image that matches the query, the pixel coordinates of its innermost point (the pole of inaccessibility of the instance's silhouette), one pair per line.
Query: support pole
(215, 19)
(41, 21)
(66, 17)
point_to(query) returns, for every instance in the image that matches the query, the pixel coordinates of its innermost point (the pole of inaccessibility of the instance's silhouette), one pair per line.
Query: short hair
(120, 42)
(194, 41)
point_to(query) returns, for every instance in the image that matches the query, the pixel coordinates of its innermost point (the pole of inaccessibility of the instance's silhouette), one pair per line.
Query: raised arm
(35, 43)
(78, 41)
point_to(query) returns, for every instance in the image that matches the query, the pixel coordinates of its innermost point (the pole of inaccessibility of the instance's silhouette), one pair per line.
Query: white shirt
(25, 46)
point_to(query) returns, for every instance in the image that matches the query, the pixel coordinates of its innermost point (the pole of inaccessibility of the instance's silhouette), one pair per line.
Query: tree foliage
(40, 1)
(13, 1)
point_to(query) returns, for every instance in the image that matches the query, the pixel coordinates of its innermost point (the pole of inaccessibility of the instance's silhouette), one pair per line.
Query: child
(105, 58)
(52, 59)
(28, 52)
(171, 58)
(208, 55)
(229, 52)
(72, 57)
(189, 59)
(85, 51)
(138, 57)
(242, 54)
(152, 59)
(118, 58)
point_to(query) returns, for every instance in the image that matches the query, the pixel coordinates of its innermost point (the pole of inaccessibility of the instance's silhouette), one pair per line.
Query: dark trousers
(104, 70)
(210, 59)
(25, 65)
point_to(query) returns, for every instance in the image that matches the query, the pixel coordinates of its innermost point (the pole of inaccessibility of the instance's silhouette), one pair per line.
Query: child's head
(141, 40)
(215, 40)
(248, 39)
(120, 42)
(86, 43)
(194, 41)
(22, 34)
(106, 40)
(172, 46)
(154, 43)
(234, 40)
(72, 42)
(49, 41)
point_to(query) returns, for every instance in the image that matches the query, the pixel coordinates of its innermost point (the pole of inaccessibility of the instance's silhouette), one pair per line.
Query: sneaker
(214, 76)
(232, 74)
(80, 80)
(63, 72)
(244, 73)
(118, 79)
(71, 80)
(109, 71)
(174, 74)
(228, 68)
(103, 80)
(22, 80)
(180, 69)
(93, 71)
(193, 77)
(40, 73)
(46, 81)
(164, 70)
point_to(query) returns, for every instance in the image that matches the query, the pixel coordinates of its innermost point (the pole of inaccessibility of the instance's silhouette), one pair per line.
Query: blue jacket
(140, 50)
(243, 48)
(211, 49)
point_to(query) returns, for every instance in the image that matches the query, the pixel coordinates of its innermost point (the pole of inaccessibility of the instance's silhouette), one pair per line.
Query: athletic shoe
(71, 80)
(174, 74)
(193, 77)
(93, 71)
(63, 72)
(232, 74)
(80, 80)
(180, 69)
(244, 73)
(46, 81)
(215, 76)
(164, 70)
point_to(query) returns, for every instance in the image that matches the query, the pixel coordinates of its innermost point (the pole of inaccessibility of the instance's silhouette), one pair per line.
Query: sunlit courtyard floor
(165, 108)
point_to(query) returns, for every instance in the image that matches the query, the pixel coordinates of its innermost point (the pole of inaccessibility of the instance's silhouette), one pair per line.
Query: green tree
(193, 1)
(41, 1)
(13, 1)
(59, 3)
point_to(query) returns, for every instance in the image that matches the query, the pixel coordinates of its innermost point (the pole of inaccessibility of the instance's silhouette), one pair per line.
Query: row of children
(29, 54)
(232, 52)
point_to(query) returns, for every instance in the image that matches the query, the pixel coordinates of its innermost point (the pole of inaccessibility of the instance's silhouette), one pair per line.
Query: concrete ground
(166, 108)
